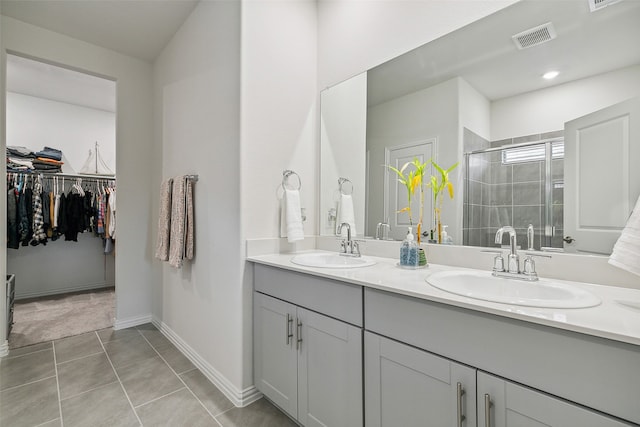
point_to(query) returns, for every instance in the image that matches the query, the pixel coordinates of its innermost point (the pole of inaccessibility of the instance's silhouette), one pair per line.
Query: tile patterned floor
(129, 377)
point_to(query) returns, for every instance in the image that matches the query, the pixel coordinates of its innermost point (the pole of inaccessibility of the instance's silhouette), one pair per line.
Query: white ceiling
(483, 53)
(34, 78)
(138, 28)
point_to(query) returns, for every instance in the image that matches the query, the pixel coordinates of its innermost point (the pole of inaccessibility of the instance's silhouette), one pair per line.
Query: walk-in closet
(61, 201)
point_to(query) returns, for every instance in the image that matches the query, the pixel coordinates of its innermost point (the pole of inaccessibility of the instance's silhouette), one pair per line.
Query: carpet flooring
(49, 318)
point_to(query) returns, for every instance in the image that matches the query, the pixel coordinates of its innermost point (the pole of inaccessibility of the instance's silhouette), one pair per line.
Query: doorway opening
(61, 141)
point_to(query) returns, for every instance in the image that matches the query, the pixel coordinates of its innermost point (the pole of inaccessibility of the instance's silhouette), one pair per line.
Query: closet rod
(66, 175)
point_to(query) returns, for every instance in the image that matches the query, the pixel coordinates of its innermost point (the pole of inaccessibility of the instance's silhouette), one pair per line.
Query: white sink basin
(331, 260)
(484, 286)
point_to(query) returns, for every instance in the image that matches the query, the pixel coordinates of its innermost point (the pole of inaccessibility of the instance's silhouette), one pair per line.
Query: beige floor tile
(176, 360)
(106, 406)
(76, 347)
(80, 375)
(209, 395)
(177, 409)
(29, 405)
(148, 379)
(21, 351)
(110, 334)
(128, 350)
(259, 414)
(31, 367)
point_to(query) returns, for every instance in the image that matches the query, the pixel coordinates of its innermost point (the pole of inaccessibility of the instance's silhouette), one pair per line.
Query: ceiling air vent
(535, 36)
(599, 4)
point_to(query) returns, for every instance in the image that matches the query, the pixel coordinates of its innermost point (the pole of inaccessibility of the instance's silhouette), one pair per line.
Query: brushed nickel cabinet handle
(288, 332)
(459, 393)
(299, 335)
(487, 410)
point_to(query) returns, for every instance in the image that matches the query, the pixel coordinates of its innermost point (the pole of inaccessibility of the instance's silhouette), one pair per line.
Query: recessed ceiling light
(550, 75)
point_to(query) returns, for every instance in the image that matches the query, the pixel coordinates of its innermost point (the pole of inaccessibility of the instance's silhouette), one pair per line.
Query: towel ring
(342, 183)
(285, 179)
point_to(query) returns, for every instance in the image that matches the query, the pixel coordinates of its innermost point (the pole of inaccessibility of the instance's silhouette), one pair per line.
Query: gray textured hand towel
(164, 221)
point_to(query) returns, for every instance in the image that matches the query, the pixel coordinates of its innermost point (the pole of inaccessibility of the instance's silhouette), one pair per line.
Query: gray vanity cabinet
(502, 403)
(408, 387)
(306, 362)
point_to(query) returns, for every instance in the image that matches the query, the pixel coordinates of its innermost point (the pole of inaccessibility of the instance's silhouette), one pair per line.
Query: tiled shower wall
(499, 195)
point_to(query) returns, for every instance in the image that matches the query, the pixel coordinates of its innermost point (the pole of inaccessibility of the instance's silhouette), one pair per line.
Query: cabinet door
(405, 386)
(505, 404)
(329, 371)
(275, 357)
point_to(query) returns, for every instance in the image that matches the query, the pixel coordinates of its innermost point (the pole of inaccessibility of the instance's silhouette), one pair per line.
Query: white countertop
(611, 319)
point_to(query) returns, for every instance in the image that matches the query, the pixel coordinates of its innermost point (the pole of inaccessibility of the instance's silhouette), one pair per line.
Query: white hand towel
(346, 213)
(293, 216)
(626, 251)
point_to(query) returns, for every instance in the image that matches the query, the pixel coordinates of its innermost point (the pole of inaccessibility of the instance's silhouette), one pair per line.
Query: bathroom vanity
(379, 346)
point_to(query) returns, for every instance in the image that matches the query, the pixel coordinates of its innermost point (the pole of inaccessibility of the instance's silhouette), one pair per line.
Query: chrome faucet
(382, 231)
(349, 247)
(513, 262)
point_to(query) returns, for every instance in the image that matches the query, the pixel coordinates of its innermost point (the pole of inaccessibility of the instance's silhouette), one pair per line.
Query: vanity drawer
(596, 372)
(339, 300)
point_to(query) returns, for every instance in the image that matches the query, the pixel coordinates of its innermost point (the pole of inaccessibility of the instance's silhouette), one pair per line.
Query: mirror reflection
(532, 150)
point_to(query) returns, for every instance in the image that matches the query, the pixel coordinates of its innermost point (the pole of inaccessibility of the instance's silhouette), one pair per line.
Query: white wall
(279, 111)
(279, 118)
(235, 102)
(61, 267)
(197, 107)
(354, 36)
(343, 136)
(548, 109)
(134, 144)
(419, 116)
(35, 122)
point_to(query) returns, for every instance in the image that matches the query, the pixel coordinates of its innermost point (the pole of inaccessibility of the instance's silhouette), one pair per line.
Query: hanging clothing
(112, 217)
(13, 235)
(38, 236)
(26, 216)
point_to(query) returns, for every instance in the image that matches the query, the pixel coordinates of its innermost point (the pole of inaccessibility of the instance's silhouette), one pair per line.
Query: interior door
(396, 194)
(602, 177)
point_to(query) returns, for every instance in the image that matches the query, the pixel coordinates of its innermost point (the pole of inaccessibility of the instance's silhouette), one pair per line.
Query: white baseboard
(4, 348)
(132, 321)
(47, 292)
(239, 398)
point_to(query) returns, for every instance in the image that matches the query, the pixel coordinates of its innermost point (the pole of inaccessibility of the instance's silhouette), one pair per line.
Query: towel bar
(285, 178)
(341, 184)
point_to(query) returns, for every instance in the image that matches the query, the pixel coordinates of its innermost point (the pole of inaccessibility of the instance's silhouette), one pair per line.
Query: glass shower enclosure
(517, 185)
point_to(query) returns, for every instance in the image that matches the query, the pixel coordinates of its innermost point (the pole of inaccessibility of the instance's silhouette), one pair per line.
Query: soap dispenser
(409, 251)
(446, 239)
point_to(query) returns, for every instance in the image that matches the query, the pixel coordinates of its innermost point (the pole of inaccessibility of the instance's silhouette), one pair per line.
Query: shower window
(517, 185)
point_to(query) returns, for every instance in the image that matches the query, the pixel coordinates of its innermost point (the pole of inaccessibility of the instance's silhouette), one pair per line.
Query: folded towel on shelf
(293, 216)
(626, 251)
(346, 213)
(164, 221)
